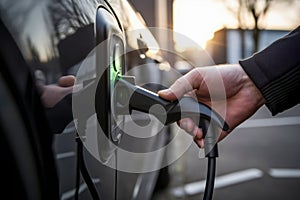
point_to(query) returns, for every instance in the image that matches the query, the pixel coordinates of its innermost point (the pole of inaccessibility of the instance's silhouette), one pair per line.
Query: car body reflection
(54, 37)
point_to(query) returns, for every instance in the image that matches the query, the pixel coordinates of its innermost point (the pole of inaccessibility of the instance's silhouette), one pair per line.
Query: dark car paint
(54, 36)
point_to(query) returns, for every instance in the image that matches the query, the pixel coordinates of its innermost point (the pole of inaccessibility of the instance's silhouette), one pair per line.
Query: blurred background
(259, 160)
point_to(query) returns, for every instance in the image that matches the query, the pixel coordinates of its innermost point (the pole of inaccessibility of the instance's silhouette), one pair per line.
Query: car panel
(54, 36)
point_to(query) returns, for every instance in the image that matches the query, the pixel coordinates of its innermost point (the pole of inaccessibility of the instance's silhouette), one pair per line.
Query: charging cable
(211, 152)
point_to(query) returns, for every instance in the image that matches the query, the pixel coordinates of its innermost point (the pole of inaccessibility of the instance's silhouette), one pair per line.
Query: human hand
(241, 98)
(52, 94)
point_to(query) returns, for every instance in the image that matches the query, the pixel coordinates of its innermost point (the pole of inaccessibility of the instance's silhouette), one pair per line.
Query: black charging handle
(130, 97)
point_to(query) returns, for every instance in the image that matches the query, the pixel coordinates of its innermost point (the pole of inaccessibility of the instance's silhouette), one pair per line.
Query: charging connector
(130, 97)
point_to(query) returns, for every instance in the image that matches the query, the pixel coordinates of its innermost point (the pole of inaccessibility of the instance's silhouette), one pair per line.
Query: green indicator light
(113, 73)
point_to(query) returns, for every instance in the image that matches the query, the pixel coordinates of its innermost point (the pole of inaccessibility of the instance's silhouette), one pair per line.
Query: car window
(134, 26)
(49, 32)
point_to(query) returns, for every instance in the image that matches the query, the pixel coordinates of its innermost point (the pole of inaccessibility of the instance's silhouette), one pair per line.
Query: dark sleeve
(276, 72)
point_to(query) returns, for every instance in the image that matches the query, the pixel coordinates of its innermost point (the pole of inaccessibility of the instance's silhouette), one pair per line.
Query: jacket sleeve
(276, 72)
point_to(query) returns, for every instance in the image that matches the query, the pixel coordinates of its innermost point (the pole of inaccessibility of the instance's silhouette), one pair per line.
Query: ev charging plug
(128, 97)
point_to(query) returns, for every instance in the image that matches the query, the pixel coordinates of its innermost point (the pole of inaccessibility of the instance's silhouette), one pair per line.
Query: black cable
(210, 179)
(77, 171)
(84, 172)
(211, 152)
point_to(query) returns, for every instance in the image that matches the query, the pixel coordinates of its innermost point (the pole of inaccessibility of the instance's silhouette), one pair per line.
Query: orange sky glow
(199, 19)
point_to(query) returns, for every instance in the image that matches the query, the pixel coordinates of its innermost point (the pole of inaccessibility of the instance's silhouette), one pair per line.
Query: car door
(54, 38)
(109, 140)
(137, 173)
(58, 37)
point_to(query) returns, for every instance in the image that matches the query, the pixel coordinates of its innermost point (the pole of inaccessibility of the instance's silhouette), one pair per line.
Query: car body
(53, 37)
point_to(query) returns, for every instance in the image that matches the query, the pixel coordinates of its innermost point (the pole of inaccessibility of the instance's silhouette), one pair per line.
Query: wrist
(258, 97)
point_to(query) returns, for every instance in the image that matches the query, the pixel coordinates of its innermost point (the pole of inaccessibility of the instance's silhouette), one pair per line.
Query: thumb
(179, 88)
(66, 81)
(167, 94)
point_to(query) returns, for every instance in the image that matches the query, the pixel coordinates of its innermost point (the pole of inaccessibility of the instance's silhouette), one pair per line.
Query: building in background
(226, 46)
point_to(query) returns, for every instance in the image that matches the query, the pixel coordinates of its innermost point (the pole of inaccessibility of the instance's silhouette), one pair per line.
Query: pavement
(258, 160)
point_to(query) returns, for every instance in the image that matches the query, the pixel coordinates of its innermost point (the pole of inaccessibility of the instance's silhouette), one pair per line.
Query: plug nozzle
(131, 97)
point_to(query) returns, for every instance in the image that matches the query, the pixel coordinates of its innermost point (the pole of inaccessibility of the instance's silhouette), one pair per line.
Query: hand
(52, 94)
(241, 99)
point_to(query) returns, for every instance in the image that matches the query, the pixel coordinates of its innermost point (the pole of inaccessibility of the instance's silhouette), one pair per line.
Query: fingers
(189, 126)
(167, 94)
(223, 135)
(181, 86)
(200, 143)
(66, 81)
(197, 81)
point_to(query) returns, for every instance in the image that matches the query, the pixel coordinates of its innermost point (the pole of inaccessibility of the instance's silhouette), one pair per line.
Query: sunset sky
(199, 19)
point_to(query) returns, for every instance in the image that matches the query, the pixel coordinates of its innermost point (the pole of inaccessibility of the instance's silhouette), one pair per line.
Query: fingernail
(183, 125)
(195, 131)
(165, 92)
(202, 143)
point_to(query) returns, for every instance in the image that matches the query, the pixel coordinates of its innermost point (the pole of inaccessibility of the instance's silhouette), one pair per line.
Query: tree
(255, 10)
(69, 15)
(253, 7)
